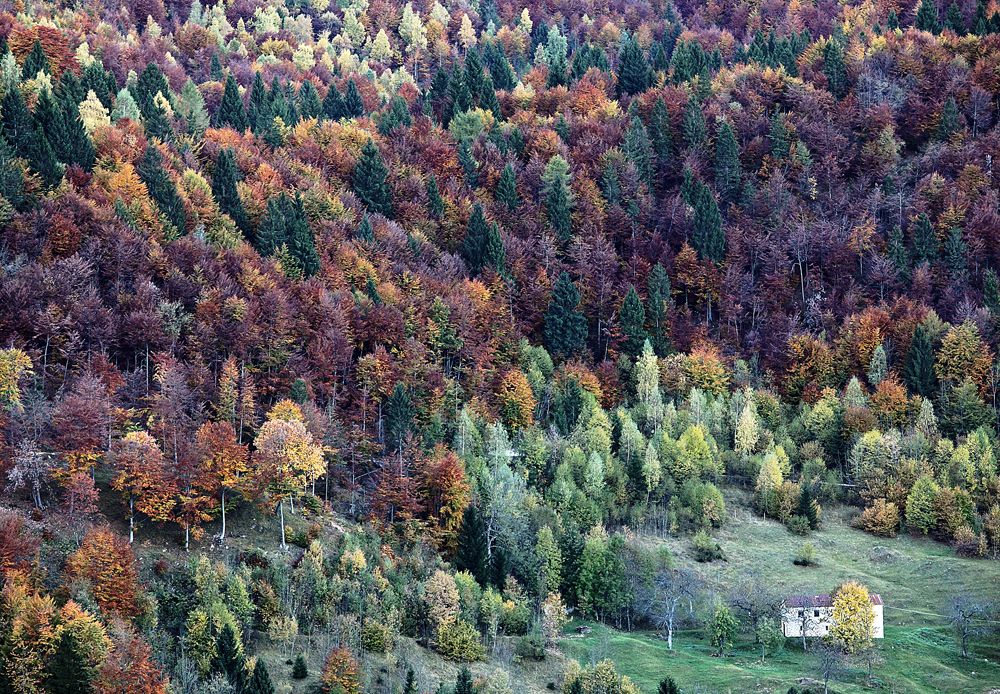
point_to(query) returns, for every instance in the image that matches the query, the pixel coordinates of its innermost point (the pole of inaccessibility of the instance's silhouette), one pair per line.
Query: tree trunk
(222, 535)
(131, 521)
(281, 513)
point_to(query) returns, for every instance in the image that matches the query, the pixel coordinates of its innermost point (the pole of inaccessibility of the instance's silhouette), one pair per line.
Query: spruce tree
(632, 70)
(565, 325)
(779, 137)
(397, 116)
(488, 101)
(96, 79)
(925, 242)
(215, 67)
(161, 188)
(658, 291)
(229, 659)
(301, 240)
(365, 231)
(309, 104)
(399, 414)
(150, 83)
(693, 125)
(807, 506)
(948, 124)
(991, 292)
(231, 111)
(69, 91)
(354, 106)
(272, 230)
(708, 238)
(927, 17)
(662, 138)
(48, 126)
(300, 671)
(728, 170)
(369, 181)
(638, 150)
(35, 62)
(501, 71)
(632, 319)
(892, 21)
(260, 682)
(506, 193)
(474, 244)
(224, 190)
(980, 24)
(835, 69)
(918, 373)
(556, 51)
(68, 669)
(668, 686)
(434, 200)
(468, 163)
(953, 20)
(473, 75)
(471, 554)
(494, 254)
(463, 683)
(333, 104)
(11, 180)
(954, 254)
(557, 197)
(898, 253)
(410, 686)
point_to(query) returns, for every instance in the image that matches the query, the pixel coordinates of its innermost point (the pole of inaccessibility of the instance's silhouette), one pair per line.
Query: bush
(312, 502)
(299, 670)
(806, 556)
(798, 525)
(881, 519)
(459, 641)
(514, 618)
(531, 646)
(705, 548)
(376, 637)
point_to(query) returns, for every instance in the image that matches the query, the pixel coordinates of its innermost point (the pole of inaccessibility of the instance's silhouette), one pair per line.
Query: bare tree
(753, 596)
(968, 615)
(830, 660)
(672, 590)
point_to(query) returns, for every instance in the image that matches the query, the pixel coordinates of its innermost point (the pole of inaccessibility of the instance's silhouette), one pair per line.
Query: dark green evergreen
(473, 75)
(918, 373)
(273, 225)
(494, 254)
(980, 23)
(835, 69)
(954, 254)
(472, 556)
(35, 62)
(11, 180)
(953, 20)
(470, 167)
(150, 83)
(224, 190)
(925, 241)
(779, 137)
(991, 292)
(399, 414)
(488, 100)
(410, 686)
(161, 188)
(68, 669)
(708, 237)
(434, 200)
(892, 22)
(668, 686)
(229, 659)
(309, 104)
(300, 671)
(260, 681)
(301, 240)
(69, 90)
(354, 106)
(638, 150)
(632, 319)
(565, 324)
(927, 17)
(396, 116)
(662, 138)
(506, 193)
(658, 291)
(333, 104)
(365, 231)
(807, 507)
(632, 70)
(501, 71)
(693, 125)
(474, 244)
(948, 125)
(728, 170)
(215, 67)
(898, 253)
(259, 113)
(231, 111)
(96, 79)
(369, 181)
(463, 684)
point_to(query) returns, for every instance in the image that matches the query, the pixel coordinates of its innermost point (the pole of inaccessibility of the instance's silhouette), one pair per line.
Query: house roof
(822, 600)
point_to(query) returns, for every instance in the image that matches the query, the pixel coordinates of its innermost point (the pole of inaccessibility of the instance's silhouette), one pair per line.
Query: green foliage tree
(398, 116)
(299, 670)
(953, 19)
(632, 70)
(708, 238)
(557, 197)
(632, 319)
(693, 125)
(948, 125)
(918, 373)
(565, 325)
(638, 149)
(469, 165)
(68, 669)
(161, 188)
(659, 299)
(474, 244)
(434, 200)
(36, 62)
(463, 683)
(333, 103)
(309, 104)
(954, 254)
(370, 181)
(835, 68)
(260, 682)
(925, 242)
(224, 190)
(927, 17)
(399, 414)
(991, 292)
(667, 686)
(723, 628)
(494, 254)
(506, 193)
(472, 555)
(354, 105)
(920, 512)
(229, 659)
(728, 170)
(231, 111)
(301, 241)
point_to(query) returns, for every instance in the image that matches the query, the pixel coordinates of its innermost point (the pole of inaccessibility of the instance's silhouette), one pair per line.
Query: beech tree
(141, 478)
(224, 463)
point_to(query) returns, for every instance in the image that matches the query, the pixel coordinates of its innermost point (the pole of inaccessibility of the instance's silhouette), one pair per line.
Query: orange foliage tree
(340, 673)
(107, 562)
(517, 401)
(224, 463)
(444, 489)
(129, 667)
(141, 478)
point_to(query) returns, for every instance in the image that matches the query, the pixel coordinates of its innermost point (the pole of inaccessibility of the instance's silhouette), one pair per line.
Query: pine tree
(272, 230)
(632, 70)
(471, 555)
(658, 291)
(468, 163)
(668, 686)
(399, 414)
(925, 242)
(300, 671)
(231, 112)
(556, 51)
(728, 170)
(835, 69)
(18, 125)
(488, 101)
(365, 231)
(565, 325)
(474, 244)
(333, 104)
(309, 104)
(954, 254)
(434, 200)
(463, 684)
(410, 687)
(807, 506)
(632, 319)
(68, 669)
(229, 659)
(927, 17)
(693, 125)
(215, 67)
(224, 190)
(494, 254)
(35, 62)
(506, 193)
(260, 681)
(301, 240)
(161, 188)
(354, 106)
(708, 238)
(948, 125)
(892, 21)
(991, 292)
(369, 181)
(953, 20)
(638, 149)
(918, 373)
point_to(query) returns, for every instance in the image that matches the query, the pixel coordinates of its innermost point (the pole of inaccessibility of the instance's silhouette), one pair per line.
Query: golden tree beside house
(814, 615)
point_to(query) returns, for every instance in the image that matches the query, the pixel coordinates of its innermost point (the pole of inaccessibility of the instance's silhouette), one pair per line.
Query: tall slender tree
(565, 324)
(370, 181)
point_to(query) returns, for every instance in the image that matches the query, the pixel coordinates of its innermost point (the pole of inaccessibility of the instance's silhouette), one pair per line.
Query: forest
(476, 318)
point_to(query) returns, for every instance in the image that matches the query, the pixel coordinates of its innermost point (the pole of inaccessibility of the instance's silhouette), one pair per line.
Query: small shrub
(376, 637)
(313, 503)
(299, 538)
(806, 555)
(160, 567)
(881, 519)
(459, 641)
(551, 685)
(531, 646)
(514, 619)
(705, 548)
(798, 525)
(299, 670)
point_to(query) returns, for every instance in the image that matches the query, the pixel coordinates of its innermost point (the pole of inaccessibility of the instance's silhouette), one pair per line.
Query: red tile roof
(822, 600)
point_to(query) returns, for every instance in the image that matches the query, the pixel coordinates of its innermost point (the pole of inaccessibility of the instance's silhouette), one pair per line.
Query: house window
(802, 613)
(815, 613)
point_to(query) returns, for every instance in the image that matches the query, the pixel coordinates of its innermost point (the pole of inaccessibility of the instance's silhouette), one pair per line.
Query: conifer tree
(980, 24)
(301, 241)
(300, 671)
(658, 291)
(150, 83)
(97, 80)
(354, 106)
(397, 116)
(948, 124)
(892, 21)
(835, 69)
(369, 181)
(918, 373)
(309, 104)
(807, 506)
(927, 17)
(463, 684)
(69, 91)
(399, 414)
(708, 238)
(231, 112)
(224, 190)
(229, 659)
(557, 197)
(473, 75)
(494, 254)
(991, 292)
(565, 325)
(668, 686)
(898, 252)
(18, 125)
(468, 163)
(434, 200)
(632, 319)
(488, 101)
(662, 137)
(272, 228)
(638, 149)
(474, 244)
(68, 669)
(953, 19)
(161, 188)
(693, 126)
(215, 67)
(925, 242)
(260, 682)
(333, 104)
(728, 170)
(365, 231)
(632, 69)
(410, 686)
(556, 51)
(506, 193)
(954, 254)
(35, 62)
(472, 555)
(501, 71)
